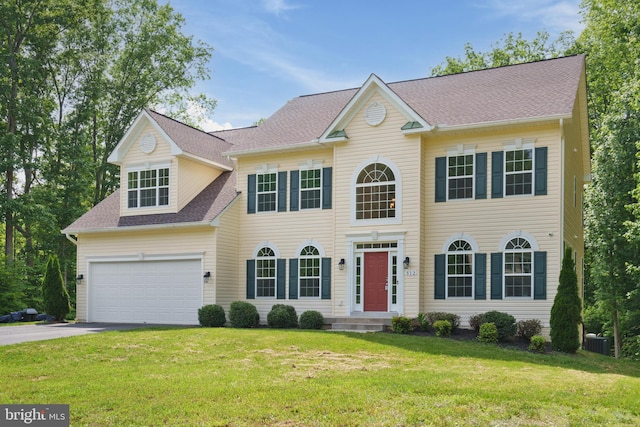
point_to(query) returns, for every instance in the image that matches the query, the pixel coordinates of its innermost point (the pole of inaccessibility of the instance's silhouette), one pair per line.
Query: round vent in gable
(375, 114)
(147, 143)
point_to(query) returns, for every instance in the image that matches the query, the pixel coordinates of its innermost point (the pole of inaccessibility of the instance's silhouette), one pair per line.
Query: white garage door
(168, 292)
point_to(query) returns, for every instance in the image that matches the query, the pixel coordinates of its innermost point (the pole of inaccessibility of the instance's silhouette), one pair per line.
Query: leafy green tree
(567, 307)
(512, 49)
(54, 293)
(611, 40)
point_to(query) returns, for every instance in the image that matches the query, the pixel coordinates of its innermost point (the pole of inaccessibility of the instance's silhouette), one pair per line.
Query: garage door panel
(165, 292)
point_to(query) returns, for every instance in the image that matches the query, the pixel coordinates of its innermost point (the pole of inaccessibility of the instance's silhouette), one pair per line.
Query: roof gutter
(141, 228)
(71, 239)
(531, 120)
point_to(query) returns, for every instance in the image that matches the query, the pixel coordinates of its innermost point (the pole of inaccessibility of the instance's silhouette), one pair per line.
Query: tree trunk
(616, 334)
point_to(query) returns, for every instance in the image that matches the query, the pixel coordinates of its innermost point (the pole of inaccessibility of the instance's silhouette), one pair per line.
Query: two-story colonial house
(455, 193)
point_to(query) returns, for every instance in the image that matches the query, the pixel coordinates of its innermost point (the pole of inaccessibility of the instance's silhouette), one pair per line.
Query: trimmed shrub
(488, 333)
(537, 344)
(529, 328)
(243, 315)
(423, 322)
(282, 316)
(454, 319)
(475, 321)
(505, 323)
(211, 316)
(566, 310)
(401, 324)
(311, 320)
(442, 327)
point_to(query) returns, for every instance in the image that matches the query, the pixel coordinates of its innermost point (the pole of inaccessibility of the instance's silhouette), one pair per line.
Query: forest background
(76, 73)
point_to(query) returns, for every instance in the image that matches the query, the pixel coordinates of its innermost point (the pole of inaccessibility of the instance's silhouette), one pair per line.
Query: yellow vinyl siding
(136, 158)
(228, 283)
(365, 143)
(489, 220)
(171, 241)
(285, 231)
(192, 178)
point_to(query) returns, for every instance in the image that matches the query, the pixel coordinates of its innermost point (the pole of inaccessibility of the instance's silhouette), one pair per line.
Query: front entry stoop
(359, 324)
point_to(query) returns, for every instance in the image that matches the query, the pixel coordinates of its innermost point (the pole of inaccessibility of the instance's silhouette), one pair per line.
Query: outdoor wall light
(405, 263)
(206, 276)
(341, 264)
(79, 278)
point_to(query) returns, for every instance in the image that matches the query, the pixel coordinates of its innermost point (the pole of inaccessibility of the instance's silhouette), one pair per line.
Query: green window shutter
(480, 276)
(327, 187)
(541, 171)
(481, 175)
(325, 281)
(439, 276)
(294, 191)
(497, 171)
(539, 275)
(496, 275)
(441, 179)
(293, 278)
(251, 194)
(281, 278)
(251, 279)
(282, 191)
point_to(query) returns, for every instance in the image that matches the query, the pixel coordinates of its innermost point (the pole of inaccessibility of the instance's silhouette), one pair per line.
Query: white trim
(310, 242)
(460, 236)
(398, 190)
(266, 244)
(518, 233)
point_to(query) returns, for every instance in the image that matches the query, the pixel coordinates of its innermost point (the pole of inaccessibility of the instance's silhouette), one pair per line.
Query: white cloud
(555, 16)
(278, 6)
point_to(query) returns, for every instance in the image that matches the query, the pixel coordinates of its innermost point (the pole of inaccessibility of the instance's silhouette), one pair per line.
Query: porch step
(358, 324)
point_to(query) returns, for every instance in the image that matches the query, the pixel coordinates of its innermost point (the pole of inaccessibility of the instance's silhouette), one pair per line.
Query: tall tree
(55, 296)
(611, 40)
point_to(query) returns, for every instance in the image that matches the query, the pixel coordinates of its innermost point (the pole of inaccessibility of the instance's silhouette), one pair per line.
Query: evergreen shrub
(505, 323)
(566, 310)
(537, 344)
(211, 316)
(311, 319)
(488, 333)
(243, 315)
(401, 324)
(442, 327)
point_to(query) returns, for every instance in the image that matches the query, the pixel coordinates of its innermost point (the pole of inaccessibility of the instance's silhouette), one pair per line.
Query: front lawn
(198, 376)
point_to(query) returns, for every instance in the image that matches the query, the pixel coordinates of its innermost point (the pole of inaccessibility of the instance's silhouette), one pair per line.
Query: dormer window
(148, 187)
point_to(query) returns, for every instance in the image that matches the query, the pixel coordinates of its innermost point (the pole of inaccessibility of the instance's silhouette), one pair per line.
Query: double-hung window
(460, 176)
(309, 272)
(518, 171)
(148, 187)
(518, 268)
(310, 188)
(266, 273)
(267, 192)
(460, 269)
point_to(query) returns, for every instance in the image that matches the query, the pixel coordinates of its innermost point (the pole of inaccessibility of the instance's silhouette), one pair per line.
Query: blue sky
(267, 52)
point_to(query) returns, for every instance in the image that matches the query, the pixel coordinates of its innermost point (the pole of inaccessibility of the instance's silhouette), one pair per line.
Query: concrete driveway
(39, 332)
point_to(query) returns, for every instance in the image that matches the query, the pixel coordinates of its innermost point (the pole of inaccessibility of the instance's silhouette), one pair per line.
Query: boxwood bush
(488, 333)
(505, 323)
(537, 344)
(442, 328)
(401, 324)
(311, 319)
(243, 315)
(282, 316)
(453, 319)
(211, 316)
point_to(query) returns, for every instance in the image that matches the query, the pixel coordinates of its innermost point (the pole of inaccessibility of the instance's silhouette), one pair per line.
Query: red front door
(376, 270)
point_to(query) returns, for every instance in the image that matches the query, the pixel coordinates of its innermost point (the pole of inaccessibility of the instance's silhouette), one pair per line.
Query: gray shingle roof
(516, 92)
(205, 207)
(192, 140)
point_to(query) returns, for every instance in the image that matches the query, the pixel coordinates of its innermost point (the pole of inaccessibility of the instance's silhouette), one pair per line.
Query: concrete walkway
(39, 332)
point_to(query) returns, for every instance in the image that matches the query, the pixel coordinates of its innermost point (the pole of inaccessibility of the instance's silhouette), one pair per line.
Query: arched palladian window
(460, 269)
(518, 268)
(266, 273)
(309, 272)
(375, 192)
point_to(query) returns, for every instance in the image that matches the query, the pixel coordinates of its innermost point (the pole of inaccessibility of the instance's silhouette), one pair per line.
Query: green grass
(198, 376)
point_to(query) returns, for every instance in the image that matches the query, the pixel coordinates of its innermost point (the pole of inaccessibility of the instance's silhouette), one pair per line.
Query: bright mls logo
(34, 415)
